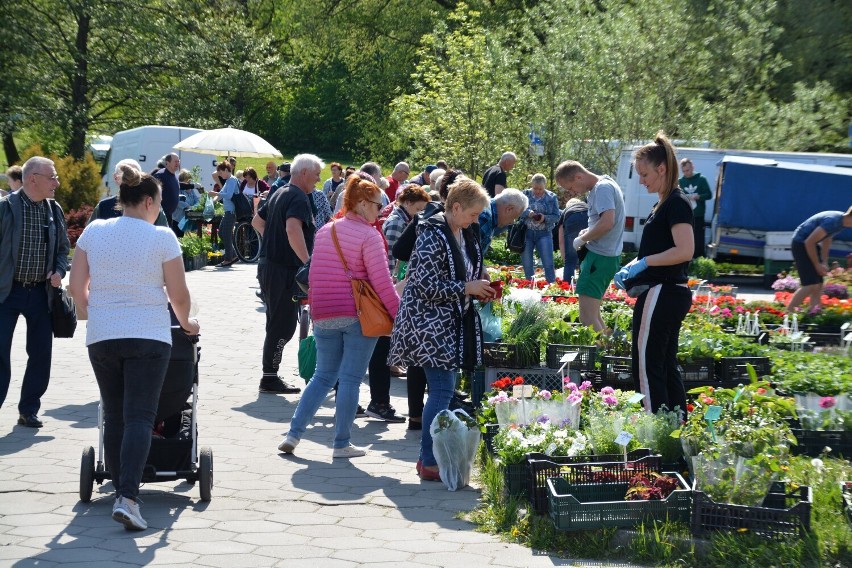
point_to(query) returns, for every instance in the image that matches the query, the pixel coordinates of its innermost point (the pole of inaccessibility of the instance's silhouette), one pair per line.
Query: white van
(147, 144)
(638, 202)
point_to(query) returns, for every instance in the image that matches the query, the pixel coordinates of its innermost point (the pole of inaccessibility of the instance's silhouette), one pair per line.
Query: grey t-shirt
(604, 196)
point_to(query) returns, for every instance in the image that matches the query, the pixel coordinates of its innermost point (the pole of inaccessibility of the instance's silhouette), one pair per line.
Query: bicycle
(246, 241)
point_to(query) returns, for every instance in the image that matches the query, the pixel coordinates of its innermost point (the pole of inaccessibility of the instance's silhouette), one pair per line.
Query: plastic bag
(208, 212)
(455, 441)
(492, 330)
(307, 358)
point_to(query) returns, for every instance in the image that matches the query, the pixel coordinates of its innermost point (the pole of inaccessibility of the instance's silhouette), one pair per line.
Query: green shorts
(596, 272)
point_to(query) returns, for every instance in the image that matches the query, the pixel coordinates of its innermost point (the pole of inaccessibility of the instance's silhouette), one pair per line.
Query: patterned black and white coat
(428, 330)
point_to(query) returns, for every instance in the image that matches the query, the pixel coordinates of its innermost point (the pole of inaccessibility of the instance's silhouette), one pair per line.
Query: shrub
(76, 220)
(79, 181)
(703, 268)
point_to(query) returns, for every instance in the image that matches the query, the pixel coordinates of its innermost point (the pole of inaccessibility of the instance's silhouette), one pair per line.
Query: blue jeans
(441, 384)
(32, 304)
(543, 242)
(130, 374)
(341, 354)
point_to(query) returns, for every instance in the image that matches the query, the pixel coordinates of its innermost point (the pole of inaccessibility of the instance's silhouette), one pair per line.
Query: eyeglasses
(53, 177)
(378, 204)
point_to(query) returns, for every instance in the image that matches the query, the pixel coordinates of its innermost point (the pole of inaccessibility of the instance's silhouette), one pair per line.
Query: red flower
(690, 407)
(761, 390)
(518, 381)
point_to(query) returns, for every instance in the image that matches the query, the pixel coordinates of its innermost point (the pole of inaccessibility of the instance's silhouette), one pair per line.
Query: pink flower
(610, 400)
(607, 390)
(570, 386)
(827, 402)
(545, 394)
(575, 397)
(585, 385)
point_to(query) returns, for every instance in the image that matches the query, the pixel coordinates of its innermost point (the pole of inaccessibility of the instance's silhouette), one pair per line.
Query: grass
(259, 164)
(669, 544)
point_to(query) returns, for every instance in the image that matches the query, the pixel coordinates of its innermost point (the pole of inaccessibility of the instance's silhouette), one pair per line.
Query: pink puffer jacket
(363, 247)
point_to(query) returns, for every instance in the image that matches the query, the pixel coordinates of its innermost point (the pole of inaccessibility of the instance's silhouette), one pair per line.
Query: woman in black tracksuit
(658, 279)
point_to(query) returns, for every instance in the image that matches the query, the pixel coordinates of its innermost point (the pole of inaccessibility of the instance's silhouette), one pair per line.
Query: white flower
(818, 464)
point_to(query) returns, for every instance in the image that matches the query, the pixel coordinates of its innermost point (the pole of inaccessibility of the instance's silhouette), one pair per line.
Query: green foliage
(818, 373)
(703, 268)
(500, 255)
(191, 245)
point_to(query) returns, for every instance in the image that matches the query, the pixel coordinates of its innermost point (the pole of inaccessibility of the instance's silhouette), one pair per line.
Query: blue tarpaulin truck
(760, 202)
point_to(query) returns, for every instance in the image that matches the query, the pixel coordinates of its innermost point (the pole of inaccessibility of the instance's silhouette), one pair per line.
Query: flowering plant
(786, 284)
(836, 291)
(512, 444)
(652, 486)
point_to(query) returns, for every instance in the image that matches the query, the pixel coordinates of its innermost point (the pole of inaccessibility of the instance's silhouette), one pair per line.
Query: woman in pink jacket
(343, 352)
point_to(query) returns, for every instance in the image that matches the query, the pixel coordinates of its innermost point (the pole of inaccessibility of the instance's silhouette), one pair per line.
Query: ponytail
(661, 151)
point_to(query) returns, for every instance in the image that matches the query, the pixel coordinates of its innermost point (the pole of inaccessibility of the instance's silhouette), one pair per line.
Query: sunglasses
(378, 204)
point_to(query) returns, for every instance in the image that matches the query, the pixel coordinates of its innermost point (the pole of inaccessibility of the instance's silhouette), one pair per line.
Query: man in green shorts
(603, 238)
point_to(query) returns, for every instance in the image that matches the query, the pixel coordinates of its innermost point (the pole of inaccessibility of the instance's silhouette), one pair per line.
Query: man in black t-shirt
(494, 178)
(287, 224)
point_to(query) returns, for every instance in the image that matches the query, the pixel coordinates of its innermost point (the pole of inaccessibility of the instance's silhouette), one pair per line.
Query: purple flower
(545, 394)
(585, 385)
(827, 402)
(610, 400)
(543, 419)
(565, 423)
(607, 390)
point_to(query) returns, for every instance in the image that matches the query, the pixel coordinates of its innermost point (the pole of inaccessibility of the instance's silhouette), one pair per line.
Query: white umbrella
(228, 142)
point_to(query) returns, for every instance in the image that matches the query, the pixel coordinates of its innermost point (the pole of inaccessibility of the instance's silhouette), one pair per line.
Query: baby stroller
(174, 446)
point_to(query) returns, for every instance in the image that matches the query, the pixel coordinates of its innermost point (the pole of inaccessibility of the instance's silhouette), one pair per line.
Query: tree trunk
(80, 89)
(12, 155)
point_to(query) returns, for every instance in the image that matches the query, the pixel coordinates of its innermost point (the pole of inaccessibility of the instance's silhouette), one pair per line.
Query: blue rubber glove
(636, 268)
(620, 277)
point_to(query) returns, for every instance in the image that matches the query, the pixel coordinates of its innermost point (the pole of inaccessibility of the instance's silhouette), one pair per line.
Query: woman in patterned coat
(437, 327)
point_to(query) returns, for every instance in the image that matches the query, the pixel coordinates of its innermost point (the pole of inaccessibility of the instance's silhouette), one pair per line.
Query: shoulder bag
(64, 314)
(242, 205)
(374, 317)
(516, 238)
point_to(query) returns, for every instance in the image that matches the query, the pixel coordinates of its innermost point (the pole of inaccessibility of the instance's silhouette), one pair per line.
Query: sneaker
(277, 386)
(288, 445)
(349, 451)
(383, 412)
(360, 412)
(127, 513)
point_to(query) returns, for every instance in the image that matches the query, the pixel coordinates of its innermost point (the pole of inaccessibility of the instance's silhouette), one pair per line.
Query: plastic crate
(846, 503)
(782, 516)
(584, 506)
(733, 369)
(542, 467)
(509, 355)
(699, 370)
(616, 372)
(516, 480)
(585, 360)
(813, 442)
(488, 437)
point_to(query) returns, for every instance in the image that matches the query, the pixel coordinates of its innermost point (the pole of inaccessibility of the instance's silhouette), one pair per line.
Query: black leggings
(657, 317)
(282, 312)
(380, 372)
(416, 382)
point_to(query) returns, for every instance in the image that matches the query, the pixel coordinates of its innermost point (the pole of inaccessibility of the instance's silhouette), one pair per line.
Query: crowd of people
(413, 246)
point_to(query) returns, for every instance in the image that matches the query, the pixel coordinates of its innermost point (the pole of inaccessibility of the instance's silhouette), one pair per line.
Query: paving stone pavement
(268, 509)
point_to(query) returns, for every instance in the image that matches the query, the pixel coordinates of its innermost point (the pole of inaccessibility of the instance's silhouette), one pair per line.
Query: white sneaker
(127, 513)
(288, 445)
(349, 451)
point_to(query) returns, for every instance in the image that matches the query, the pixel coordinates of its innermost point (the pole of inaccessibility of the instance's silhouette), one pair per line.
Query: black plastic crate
(783, 515)
(585, 360)
(813, 442)
(542, 466)
(698, 371)
(733, 369)
(516, 480)
(510, 355)
(583, 506)
(540, 377)
(488, 437)
(616, 372)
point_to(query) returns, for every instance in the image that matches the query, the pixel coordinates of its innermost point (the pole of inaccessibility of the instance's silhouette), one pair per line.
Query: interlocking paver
(268, 509)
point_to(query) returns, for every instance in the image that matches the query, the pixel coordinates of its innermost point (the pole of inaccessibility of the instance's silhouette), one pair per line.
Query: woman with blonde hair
(437, 327)
(343, 351)
(658, 277)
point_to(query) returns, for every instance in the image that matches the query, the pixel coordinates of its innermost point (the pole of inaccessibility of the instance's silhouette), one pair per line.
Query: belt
(29, 284)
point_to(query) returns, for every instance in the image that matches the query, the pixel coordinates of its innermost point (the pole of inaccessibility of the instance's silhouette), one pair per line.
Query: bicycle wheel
(246, 242)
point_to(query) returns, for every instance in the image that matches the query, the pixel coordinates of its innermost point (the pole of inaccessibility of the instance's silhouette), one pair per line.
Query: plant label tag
(569, 357)
(624, 438)
(550, 449)
(736, 396)
(713, 413)
(522, 391)
(636, 398)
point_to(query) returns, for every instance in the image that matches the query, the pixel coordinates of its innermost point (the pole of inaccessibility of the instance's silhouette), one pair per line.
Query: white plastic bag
(455, 441)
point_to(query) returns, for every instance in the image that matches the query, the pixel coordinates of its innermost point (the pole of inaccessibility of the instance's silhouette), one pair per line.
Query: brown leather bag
(374, 317)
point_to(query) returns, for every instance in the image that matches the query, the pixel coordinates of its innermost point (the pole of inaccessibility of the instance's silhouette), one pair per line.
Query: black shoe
(461, 395)
(277, 386)
(30, 421)
(458, 404)
(384, 412)
(360, 412)
(415, 424)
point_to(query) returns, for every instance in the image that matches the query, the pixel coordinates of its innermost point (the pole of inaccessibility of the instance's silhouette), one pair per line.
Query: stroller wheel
(205, 473)
(87, 474)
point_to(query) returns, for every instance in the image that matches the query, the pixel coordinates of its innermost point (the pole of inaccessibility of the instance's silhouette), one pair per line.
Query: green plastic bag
(307, 358)
(401, 270)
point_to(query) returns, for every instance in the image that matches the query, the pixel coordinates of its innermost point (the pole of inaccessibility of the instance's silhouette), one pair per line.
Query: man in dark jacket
(170, 185)
(32, 262)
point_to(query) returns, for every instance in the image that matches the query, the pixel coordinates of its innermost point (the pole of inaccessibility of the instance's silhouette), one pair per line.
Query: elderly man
(32, 262)
(287, 224)
(271, 173)
(401, 171)
(504, 210)
(422, 179)
(283, 177)
(494, 178)
(603, 238)
(170, 185)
